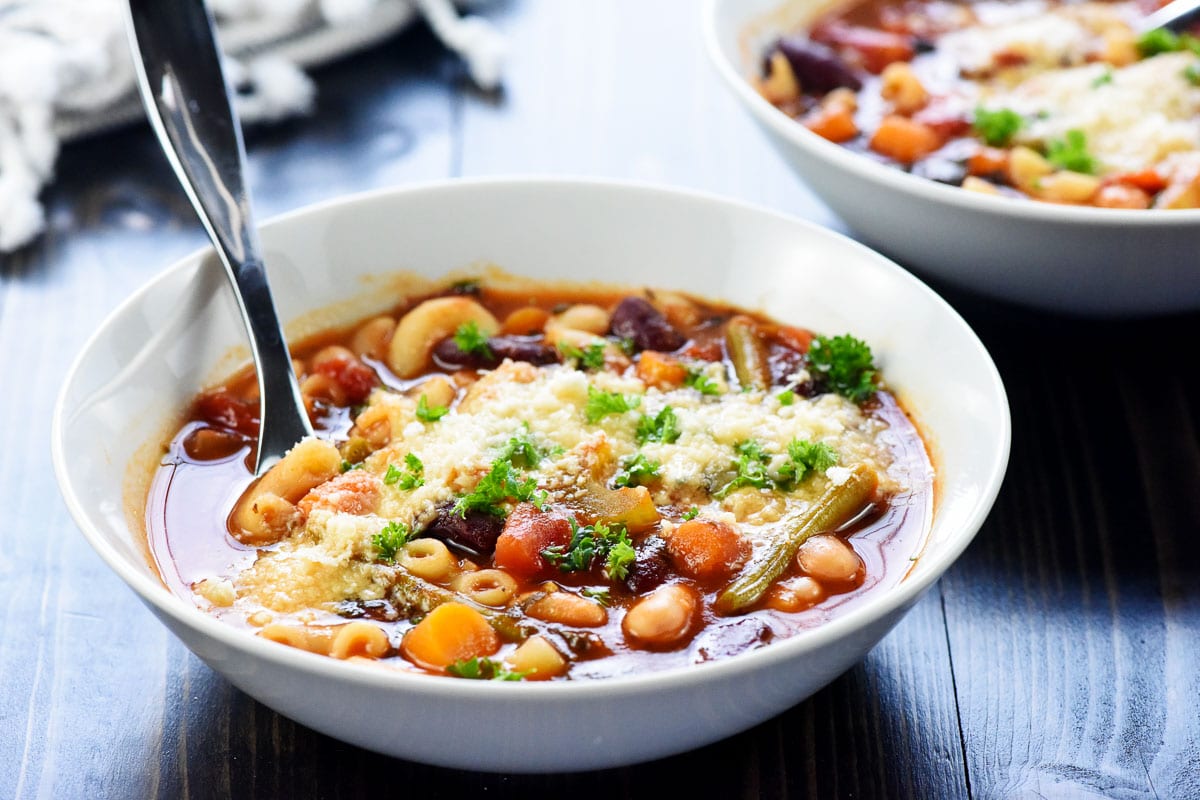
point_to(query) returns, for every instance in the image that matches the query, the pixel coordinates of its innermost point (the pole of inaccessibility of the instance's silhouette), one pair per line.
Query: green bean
(832, 509)
(748, 352)
(416, 596)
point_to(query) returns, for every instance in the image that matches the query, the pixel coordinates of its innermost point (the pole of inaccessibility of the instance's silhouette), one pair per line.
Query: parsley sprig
(522, 451)
(608, 544)
(428, 413)
(845, 366)
(412, 477)
(483, 669)
(470, 339)
(701, 382)
(750, 469)
(997, 127)
(637, 471)
(590, 357)
(1162, 40)
(1071, 153)
(389, 541)
(504, 482)
(600, 404)
(662, 427)
(804, 459)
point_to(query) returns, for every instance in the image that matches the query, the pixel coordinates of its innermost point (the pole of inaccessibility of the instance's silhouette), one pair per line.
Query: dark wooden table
(1059, 658)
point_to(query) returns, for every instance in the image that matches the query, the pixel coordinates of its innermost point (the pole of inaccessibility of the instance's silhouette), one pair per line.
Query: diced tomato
(946, 120)
(356, 378)
(528, 532)
(873, 49)
(1148, 180)
(835, 123)
(793, 338)
(987, 161)
(226, 410)
(904, 140)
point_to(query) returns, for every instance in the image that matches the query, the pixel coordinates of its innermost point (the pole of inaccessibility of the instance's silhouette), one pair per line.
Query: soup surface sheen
(552, 483)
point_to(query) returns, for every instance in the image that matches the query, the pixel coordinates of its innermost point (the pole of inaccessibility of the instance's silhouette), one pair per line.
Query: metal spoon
(189, 106)
(1176, 16)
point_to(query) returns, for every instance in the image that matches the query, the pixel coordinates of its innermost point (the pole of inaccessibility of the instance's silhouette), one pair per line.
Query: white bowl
(157, 350)
(1083, 260)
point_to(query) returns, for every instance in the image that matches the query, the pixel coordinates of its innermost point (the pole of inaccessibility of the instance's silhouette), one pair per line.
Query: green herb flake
(701, 382)
(786, 398)
(637, 471)
(470, 339)
(750, 469)
(590, 357)
(412, 477)
(691, 514)
(1191, 73)
(522, 451)
(609, 544)
(804, 459)
(389, 541)
(1070, 153)
(600, 594)
(483, 669)
(428, 413)
(844, 365)
(662, 427)
(998, 127)
(1103, 78)
(1161, 40)
(600, 404)
(502, 483)
(628, 345)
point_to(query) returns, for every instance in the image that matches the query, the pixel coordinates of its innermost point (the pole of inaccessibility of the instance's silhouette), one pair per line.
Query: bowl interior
(181, 332)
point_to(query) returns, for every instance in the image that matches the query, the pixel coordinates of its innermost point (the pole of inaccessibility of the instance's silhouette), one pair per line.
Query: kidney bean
(634, 318)
(448, 355)
(650, 568)
(818, 68)
(477, 531)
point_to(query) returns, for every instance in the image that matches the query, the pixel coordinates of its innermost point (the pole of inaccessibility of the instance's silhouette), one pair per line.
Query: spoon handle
(188, 103)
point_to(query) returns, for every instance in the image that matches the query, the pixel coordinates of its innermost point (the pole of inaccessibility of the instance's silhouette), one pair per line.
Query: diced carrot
(660, 371)
(450, 633)
(528, 532)
(354, 492)
(1120, 195)
(875, 49)
(1148, 180)
(904, 140)
(987, 161)
(707, 550)
(835, 123)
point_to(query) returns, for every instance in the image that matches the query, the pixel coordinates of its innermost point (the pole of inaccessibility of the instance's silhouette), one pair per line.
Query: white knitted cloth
(66, 71)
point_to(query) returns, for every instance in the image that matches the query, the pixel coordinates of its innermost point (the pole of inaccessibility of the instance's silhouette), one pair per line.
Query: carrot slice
(904, 140)
(452, 632)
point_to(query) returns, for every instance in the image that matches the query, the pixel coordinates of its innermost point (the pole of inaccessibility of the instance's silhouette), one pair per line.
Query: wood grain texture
(1059, 658)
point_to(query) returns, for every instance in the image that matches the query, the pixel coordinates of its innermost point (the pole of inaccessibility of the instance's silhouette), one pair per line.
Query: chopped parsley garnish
(701, 382)
(845, 366)
(998, 127)
(1161, 40)
(1071, 153)
(347, 466)
(786, 397)
(691, 514)
(468, 286)
(470, 339)
(601, 404)
(1103, 78)
(637, 471)
(804, 458)
(662, 427)
(428, 413)
(600, 594)
(483, 669)
(589, 543)
(751, 469)
(408, 479)
(1191, 73)
(502, 483)
(628, 345)
(522, 451)
(390, 540)
(590, 357)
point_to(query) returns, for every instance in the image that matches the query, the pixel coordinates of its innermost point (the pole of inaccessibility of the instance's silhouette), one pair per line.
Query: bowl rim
(899, 180)
(154, 593)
